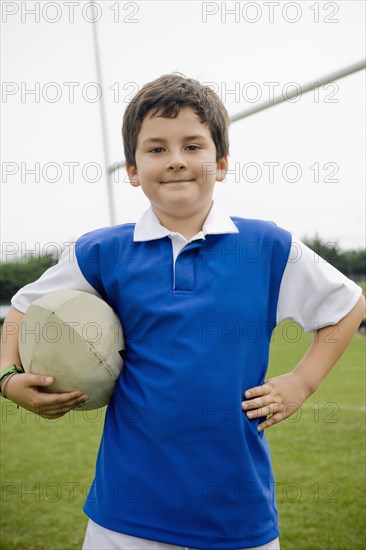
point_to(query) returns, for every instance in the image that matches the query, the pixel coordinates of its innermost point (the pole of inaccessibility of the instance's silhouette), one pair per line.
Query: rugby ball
(77, 338)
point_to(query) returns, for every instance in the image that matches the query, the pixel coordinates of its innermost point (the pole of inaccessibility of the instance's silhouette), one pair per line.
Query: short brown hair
(167, 95)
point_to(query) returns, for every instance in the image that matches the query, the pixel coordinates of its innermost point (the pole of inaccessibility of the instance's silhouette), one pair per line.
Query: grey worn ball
(77, 338)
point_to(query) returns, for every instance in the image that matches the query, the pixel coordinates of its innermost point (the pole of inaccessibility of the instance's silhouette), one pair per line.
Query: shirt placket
(185, 268)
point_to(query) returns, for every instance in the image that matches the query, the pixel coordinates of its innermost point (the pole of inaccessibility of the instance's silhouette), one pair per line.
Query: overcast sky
(300, 164)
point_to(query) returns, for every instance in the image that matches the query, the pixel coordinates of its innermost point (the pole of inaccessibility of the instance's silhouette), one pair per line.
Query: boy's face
(176, 164)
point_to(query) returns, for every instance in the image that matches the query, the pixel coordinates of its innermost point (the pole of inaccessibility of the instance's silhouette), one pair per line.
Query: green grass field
(318, 458)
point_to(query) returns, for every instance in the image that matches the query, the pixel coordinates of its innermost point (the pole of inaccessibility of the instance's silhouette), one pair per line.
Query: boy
(183, 460)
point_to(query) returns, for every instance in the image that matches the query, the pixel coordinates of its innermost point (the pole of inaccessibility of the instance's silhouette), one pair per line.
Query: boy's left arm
(283, 395)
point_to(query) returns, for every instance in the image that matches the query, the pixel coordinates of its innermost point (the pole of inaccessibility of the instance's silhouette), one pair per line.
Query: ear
(222, 167)
(132, 174)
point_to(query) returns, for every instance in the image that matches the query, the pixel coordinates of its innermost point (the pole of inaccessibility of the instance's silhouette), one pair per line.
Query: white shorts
(99, 538)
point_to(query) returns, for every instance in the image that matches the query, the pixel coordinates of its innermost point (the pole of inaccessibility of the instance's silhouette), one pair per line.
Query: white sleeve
(313, 293)
(65, 275)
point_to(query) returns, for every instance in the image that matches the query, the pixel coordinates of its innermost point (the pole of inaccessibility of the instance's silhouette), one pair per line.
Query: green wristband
(13, 368)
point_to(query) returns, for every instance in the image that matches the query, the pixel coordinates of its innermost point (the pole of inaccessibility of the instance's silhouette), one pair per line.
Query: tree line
(15, 274)
(351, 263)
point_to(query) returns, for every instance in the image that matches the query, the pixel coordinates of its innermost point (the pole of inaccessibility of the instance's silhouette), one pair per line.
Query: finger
(44, 407)
(258, 391)
(58, 399)
(253, 404)
(57, 411)
(264, 411)
(39, 379)
(256, 403)
(70, 404)
(270, 421)
(78, 401)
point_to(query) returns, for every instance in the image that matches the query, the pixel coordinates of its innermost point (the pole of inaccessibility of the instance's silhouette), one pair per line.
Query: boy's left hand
(278, 397)
(281, 396)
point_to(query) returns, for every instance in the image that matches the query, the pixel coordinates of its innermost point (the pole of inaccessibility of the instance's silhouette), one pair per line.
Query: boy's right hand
(26, 390)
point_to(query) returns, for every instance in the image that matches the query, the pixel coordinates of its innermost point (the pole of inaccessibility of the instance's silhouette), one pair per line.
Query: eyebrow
(163, 140)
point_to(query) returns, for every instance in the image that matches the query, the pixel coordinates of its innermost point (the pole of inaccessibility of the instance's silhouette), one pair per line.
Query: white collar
(149, 228)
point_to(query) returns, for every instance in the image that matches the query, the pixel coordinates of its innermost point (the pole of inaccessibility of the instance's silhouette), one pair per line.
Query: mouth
(176, 181)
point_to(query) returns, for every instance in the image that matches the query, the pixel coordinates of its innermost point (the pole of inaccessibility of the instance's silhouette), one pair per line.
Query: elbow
(362, 306)
(358, 312)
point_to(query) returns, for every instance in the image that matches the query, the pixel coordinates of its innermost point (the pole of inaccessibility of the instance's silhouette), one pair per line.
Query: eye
(193, 147)
(156, 150)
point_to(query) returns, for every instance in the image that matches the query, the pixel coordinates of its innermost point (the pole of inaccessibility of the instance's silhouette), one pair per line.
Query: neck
(187, 226)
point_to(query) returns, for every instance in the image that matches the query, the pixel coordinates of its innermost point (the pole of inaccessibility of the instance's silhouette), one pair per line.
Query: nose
(176, 162)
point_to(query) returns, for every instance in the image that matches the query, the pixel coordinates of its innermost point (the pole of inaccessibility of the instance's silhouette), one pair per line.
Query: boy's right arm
(26, 389)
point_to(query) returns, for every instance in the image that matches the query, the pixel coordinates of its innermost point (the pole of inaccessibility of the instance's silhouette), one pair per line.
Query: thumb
(42, 380)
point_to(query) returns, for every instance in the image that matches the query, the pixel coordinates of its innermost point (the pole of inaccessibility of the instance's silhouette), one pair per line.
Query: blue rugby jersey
(179, 461)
